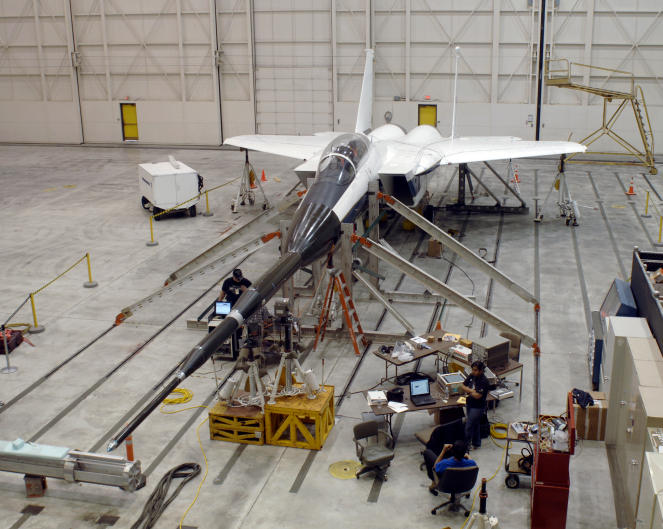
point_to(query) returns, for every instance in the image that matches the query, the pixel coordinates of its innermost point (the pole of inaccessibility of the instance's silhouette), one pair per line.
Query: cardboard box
(591, 421)
(434, 248)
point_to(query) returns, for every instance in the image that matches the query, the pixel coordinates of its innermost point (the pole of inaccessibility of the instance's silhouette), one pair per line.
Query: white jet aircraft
(403, 162)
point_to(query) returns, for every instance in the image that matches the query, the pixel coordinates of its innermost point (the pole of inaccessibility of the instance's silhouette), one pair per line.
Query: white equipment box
(167, 184)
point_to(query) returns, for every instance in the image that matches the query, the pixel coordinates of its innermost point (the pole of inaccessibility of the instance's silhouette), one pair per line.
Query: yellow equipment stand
(287, 422)
(245, 424)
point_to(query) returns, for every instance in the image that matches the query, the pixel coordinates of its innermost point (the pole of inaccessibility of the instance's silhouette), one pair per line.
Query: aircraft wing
(467, 150)
(300, 147)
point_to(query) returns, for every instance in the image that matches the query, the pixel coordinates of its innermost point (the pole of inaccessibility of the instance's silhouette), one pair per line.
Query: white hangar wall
(199, 71)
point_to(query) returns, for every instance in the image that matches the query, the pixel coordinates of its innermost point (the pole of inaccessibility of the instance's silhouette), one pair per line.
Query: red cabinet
(550, 481)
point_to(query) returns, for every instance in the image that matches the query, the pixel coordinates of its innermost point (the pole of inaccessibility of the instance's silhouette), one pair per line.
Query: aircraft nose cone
(313, 231)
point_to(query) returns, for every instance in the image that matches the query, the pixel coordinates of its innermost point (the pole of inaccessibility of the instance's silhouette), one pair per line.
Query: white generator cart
(164, 185)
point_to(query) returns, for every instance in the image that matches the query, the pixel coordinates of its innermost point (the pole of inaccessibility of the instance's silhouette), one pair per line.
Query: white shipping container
(167, 184)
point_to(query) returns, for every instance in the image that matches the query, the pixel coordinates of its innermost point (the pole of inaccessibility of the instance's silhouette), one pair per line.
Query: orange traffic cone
(438, 327)
(630, 189)
(263, 179)
(515, 178)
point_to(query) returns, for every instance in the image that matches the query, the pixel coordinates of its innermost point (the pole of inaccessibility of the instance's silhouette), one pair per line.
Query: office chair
(514, 349)
(457, 482)
(375, 457)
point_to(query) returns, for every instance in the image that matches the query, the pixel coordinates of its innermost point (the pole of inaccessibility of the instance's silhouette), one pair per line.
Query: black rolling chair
(377, 456)
(457, 482)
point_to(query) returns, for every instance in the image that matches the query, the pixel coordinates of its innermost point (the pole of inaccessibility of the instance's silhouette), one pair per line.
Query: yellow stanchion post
(646, 214)
(660, 229)
(37, 328)
(207, 213)
(152, 242)
(90, 283)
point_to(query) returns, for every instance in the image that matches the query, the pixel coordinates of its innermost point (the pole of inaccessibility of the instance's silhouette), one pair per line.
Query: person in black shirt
(475, 388)
(233, 287)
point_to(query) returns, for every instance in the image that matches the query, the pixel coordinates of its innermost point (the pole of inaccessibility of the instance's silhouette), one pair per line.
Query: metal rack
(558, 73)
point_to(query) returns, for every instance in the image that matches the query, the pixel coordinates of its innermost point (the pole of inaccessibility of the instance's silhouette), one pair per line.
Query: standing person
(233, 287)
(475, 388)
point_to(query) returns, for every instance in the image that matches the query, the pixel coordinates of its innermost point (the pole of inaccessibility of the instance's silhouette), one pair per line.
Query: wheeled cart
(164, 185)
(518, 464)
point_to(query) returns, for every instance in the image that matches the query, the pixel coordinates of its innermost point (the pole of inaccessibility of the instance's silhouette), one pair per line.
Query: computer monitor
(419, 387)
(222, 308)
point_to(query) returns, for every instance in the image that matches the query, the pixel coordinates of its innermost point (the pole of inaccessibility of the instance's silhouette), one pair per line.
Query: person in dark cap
(233, 287)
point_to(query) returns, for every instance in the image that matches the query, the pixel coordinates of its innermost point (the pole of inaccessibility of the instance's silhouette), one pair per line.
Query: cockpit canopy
(341, 159)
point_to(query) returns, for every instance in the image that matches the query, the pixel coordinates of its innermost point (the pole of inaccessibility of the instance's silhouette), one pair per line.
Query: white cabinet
(651, 491)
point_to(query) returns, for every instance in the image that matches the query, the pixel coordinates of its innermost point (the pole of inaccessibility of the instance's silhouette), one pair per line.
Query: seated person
(459, 458)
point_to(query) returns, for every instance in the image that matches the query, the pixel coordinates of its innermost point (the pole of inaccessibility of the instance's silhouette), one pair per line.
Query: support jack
(245, 192)
(568, 208)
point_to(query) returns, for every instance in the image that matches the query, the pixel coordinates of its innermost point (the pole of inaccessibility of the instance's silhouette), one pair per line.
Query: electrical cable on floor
(157, 501)
(490, 478)
(187, 396)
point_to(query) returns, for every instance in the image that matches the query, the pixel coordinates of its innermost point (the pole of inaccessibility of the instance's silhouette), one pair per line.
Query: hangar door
(293, 78)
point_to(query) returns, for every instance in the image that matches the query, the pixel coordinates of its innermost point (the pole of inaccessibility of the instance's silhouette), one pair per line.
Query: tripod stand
(288, 358)
(245, 192)
(248, 362)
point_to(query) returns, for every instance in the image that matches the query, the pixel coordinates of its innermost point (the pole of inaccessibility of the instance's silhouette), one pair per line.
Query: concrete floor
(60, 202)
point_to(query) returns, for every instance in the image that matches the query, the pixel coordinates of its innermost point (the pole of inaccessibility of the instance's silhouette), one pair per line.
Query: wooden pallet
(299, 422)
(244, 425)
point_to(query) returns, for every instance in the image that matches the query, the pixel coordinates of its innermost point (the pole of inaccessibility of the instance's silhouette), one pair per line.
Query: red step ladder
(338, 284)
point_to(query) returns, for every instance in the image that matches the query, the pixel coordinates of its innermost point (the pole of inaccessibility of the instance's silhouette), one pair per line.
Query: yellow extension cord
(493, 435)
(186, 397)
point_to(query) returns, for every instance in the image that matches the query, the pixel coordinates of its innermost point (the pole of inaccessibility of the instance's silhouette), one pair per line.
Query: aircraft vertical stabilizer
(365, 113)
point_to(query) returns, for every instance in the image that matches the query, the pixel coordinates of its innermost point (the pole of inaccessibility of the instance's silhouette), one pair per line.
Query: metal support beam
(385, 302)
(272, 212)
(176, 286)
(506, 184)
(104, 36)
(464, 172)
(180, 44)
(288, 290)
(40, 52)
(461, 250)
(347, 230)
(444, 290)
(373, 214)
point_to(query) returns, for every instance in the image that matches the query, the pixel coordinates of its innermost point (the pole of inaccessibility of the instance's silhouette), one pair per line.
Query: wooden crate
(299, 422)
(244, 425)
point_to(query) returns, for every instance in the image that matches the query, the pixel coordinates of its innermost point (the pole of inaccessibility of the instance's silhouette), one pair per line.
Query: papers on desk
(461, 400)
(418, 340)
(376, 397)
(398, 407)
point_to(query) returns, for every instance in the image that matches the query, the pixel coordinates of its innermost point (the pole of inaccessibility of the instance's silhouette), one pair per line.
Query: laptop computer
(222, 308)
(420, 393)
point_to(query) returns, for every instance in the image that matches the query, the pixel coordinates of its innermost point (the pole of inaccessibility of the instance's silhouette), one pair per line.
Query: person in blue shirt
(459, 458)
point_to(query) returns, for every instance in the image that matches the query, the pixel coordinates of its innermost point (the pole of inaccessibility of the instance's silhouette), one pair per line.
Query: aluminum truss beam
(231, 256)
(272, 212)
(458, 248)
(444, 290)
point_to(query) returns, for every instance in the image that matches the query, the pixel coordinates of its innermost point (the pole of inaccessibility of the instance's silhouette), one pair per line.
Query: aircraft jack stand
(481, 518)
(245, 192)
(568, 208)
(288, 358)
(250, 369)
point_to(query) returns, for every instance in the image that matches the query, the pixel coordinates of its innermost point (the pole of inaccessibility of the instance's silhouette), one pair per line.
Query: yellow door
(428, 115)
(129, 121)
